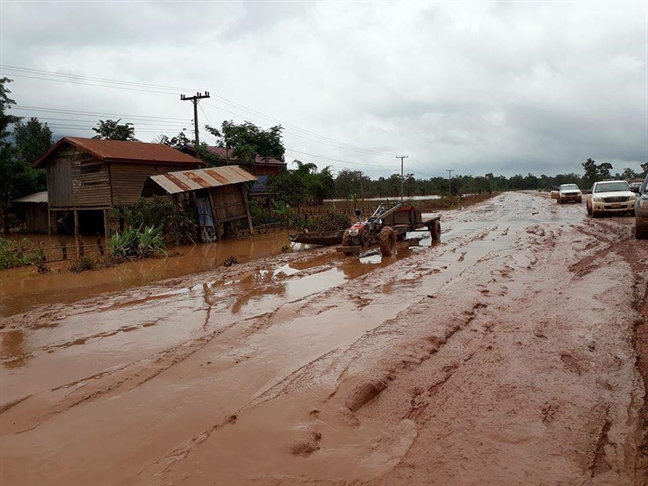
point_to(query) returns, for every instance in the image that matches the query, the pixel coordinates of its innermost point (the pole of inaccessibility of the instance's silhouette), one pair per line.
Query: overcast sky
(503, 87)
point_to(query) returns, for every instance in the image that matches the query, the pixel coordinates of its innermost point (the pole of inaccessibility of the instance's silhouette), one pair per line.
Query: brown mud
(513, 353)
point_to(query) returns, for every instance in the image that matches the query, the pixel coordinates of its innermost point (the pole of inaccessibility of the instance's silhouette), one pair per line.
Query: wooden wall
(36, 215)
(90, 181)
(228, 203)
(59, 178)
(128, 179)
(259, 170)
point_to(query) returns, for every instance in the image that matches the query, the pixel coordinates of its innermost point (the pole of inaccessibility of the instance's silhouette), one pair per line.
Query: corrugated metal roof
(122, 151)
(192, 180)
(37, 197)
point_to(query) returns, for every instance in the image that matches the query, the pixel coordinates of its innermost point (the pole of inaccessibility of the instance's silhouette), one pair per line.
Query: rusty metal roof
(37, 197)
(122, 151)
(192, 180)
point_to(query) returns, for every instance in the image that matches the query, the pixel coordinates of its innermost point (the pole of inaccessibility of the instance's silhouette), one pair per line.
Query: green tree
(247, 141)
(629, 173)
(32, 139)
(591, 172)
(6, 120)
(112, 130)
(348, 182)
(604, 170)
(289, 187)
(177, 142)
(303, 184)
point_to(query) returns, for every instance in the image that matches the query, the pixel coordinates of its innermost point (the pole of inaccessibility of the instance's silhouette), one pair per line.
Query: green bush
(178, 225)
(280, 213)
(17, 253)
(83, 264)
(137, 243)
(150, 242)
(331, 221)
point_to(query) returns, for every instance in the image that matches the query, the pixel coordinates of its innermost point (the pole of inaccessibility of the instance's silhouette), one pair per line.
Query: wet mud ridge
(516, 352)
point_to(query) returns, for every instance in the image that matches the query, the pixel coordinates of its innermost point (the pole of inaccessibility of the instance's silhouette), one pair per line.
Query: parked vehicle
(555, 192)
(569, 192)
(641, 211)
(635, 186)
(385, 227)
(610, 197)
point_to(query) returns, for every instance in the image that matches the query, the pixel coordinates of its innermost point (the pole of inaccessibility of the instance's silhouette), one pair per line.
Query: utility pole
(402, 179)
(195, 99)
(450, 171)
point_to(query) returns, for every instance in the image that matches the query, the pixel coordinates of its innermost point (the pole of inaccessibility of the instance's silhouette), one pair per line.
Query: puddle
(12, 349)
(23, 288)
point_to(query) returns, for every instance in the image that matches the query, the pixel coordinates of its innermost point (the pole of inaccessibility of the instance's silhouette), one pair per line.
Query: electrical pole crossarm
(195, 99)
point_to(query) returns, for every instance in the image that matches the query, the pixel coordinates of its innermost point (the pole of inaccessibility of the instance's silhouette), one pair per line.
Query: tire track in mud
(125, 378)
(600, 440)
(360, 392)
(336, 357)
(421, 364)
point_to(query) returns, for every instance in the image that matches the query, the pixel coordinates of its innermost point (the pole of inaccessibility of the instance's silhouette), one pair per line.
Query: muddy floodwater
(514, 352)
(24, 288)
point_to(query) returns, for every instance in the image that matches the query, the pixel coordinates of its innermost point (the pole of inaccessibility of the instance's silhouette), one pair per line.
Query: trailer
(409, 219)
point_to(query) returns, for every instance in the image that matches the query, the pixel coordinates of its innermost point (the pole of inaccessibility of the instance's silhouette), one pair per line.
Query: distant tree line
(23, 142)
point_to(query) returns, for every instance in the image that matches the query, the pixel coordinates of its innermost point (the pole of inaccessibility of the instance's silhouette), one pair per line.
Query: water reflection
(23, 288)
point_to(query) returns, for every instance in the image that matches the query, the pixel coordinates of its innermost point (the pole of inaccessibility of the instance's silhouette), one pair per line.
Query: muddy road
(514, 352)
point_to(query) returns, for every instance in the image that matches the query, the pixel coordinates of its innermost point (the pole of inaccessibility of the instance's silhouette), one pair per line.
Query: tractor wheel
(435, 230)
(387, 241)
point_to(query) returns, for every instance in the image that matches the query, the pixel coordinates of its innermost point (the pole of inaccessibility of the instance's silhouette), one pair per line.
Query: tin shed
(219, 193)
(34, 209)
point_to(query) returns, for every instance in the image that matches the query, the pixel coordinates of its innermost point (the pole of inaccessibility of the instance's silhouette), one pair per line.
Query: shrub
(178, 225)
(82, 264)
(133, 243)
(150, 242)
(17, 253)
(125, 244)
(331, 221)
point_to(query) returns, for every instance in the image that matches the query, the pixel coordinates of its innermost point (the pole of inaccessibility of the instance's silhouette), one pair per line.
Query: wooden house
(257, 167)
(87, 177)
(219, 195)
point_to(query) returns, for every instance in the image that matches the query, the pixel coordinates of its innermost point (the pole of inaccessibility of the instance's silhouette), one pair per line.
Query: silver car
(641, 211)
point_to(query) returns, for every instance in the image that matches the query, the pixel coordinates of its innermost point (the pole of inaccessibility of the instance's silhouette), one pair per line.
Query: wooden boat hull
(324, 238)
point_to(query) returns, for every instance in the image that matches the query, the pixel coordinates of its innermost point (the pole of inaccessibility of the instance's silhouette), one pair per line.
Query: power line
(89, 80)
(336, 160)
(161, 89)
(76, 120)
(91, 113)
(340, 145)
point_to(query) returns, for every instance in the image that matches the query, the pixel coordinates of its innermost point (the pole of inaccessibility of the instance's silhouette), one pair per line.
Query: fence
(52, 254)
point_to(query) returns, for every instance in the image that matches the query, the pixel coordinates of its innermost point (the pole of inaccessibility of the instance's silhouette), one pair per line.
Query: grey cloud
(480, 86)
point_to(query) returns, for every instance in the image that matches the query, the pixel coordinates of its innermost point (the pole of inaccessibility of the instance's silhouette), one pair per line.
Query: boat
(325, 238)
